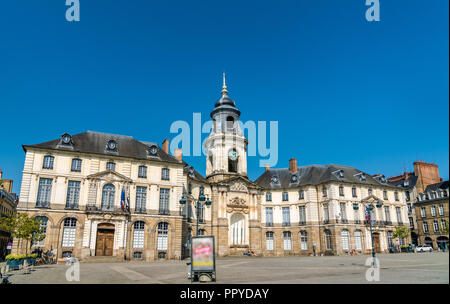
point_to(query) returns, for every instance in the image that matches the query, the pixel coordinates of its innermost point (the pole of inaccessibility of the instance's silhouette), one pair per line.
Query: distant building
(8, 203)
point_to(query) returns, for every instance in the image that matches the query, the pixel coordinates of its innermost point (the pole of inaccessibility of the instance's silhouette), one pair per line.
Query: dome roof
(225, 103)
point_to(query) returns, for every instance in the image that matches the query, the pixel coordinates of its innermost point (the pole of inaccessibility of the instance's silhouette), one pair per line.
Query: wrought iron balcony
(140, 210)
(42, 205)
(357, 222)
(71, 207)
(269, 224)
(163, 212)
(286, 224)
(326, 222)
(302, 223)
(344, 221)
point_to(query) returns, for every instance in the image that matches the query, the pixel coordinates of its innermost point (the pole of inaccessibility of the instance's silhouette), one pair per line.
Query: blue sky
(345, 91)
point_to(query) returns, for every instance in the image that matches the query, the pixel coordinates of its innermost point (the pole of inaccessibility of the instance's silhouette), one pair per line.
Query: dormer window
(294, 179)
(383, 179)
(274, 180)
(406, 183)
(363, 177)
(152, 150)
(111, 145)
(341, 174)
(66, 139)
(48, 162)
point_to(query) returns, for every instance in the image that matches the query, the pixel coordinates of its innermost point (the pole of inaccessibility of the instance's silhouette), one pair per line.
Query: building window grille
(48, 162)
(138, 234)
(108, 194)
(164, 195)
(44, 193)
(165, 174)
(287, 243)
(269, 216)
(43, 220)
(328, 240)
(268, 197)
(110, 166)
(269, 240)
(142, 172)
(302, 215)
(425, 227)
(141, 199)
(73, 194)
(163, 234)
(285, 196)
(304, 240)
(286, 216)
(76, 165)
(69, 232)
(358, 240)
(433, 210)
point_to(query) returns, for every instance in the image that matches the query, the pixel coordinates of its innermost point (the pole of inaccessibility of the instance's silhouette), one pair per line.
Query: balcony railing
(344, 221)
(163, 212)
(357, 222)
(388, 223)
(269, 224)
(42, 205)
(71, 207)
(326, 222)
(302, 223)
(140, 210)
(286, 224)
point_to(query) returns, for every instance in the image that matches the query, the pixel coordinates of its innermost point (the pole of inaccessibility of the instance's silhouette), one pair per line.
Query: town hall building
(99, 194)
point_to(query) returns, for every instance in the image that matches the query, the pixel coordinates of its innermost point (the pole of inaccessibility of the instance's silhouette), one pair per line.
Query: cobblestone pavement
(395, 268)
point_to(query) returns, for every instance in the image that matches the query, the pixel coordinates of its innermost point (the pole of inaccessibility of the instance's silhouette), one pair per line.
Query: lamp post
(369, 208)
(201, 200)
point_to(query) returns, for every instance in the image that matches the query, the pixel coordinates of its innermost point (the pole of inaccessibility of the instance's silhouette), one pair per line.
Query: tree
(401, 232)
(23, 227)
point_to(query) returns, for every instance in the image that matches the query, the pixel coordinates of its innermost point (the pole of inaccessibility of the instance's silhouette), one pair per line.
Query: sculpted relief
(237, 204)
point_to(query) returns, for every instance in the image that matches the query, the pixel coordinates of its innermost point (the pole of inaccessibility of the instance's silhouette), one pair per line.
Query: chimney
(267, 167)
(293, 165)
(165, 145)
(179, 154)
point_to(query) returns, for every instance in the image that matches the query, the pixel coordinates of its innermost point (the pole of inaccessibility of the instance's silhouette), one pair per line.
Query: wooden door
(376, 242)
(105, 242)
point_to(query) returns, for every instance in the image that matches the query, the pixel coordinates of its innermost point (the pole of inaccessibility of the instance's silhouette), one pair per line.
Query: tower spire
(224, 87)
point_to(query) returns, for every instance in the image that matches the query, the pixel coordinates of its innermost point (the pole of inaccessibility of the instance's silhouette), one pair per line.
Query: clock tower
(226, 146)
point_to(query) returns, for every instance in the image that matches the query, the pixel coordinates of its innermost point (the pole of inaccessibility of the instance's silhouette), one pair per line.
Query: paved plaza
(405, 268)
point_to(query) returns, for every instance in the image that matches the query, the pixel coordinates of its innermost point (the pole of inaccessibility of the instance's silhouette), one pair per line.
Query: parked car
(424, 248)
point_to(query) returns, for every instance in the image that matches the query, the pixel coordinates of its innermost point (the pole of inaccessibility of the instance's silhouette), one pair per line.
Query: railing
(163, 212)
(42, 205)
(358, 222)
(286, 224)
(269, 224)
(302, 223)
(140, 210)
(344, 221)
(72, 207)
(11, 197)
(326, 222)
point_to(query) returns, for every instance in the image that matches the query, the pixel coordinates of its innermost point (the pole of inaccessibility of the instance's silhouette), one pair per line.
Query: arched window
(69, 232)
(304, 240)
(287, 243)
(230, 123)
(238, 229)
(344, 237)
(358, 240)
(48, 162)
(269, 240)
(328, 240)
(108, 194)
(43, 220)
(163, 233)
(138, 234)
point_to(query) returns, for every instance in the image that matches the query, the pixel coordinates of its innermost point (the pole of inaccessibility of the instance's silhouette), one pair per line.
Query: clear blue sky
(345, 91)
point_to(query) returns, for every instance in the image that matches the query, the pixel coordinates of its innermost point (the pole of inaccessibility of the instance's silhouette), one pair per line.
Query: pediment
(238, 184)
(110, 175)
(372, 199)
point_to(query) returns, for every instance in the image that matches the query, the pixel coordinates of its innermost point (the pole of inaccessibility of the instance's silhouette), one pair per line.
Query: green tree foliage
(23, 227)
(444, 230)
(401, 232)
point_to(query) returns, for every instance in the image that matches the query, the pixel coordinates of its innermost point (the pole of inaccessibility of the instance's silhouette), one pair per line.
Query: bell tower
(226, 146)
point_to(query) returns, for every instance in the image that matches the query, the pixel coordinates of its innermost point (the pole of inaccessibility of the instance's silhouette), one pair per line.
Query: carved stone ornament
(237, 204)
(238, 186)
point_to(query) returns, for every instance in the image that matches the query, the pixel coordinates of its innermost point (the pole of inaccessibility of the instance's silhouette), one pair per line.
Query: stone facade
(8, 204)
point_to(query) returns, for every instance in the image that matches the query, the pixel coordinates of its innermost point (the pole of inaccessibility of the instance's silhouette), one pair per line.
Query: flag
(367, 214)
(128, 199)
(122, 199)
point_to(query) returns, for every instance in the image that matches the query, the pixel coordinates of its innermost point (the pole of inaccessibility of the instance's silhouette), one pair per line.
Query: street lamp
(369, 208)
(201, 200)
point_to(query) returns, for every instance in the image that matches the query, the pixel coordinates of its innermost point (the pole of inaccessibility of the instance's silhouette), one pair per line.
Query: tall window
(441, 209)
(44, 193)
(358, 240)
(301, 194)
(142, 172)
(69, 232)
(269, 240)
(286, 216)
(356, 215)
(108, 197)
(324, 192)
(163, 235)
(425, 227)
(387, 214)
(138, 234)
(201, 213)
(396, 195)
(411, 223)
(341, 191)
(48, 162)
(164, 201)
(302, 215)
(407, 196)
(201, 232)
(287, 243)
(423, 212)
(285, 196)
(385, 196)
(443, 224)
(436, 226)
(238, 229)
(110, 166)
(389, 237)
(269, 216)
(354, 192)
(409, 208)
(326, 215)
(433, 210)
(304, 240)
(399, 215)
(344, 237)
(76, 165)
(268, 196)
(165, 174)
(369, 192)
(43, 220)
(73, 194)
(141, 199)
(343, 212)
(328, 240)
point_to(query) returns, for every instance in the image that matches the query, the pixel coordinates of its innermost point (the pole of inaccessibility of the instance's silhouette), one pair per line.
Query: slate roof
(412, 179)
(96, 142)
(315, 175)
(225, 103)
(193, 174)
(437, 186)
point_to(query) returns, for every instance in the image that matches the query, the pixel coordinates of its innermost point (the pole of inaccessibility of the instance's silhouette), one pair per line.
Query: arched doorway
(376, 242)
(429, 242)
(237, 229)
(105, 240)
(442, 242)
(414, 239)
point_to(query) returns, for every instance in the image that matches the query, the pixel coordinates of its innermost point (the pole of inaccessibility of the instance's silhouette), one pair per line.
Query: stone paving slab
(407, 268)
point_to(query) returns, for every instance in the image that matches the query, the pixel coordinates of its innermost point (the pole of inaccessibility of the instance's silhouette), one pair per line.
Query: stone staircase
(102, 259)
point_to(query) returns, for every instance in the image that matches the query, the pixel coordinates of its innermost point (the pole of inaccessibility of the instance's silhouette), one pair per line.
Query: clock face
(233, 155)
